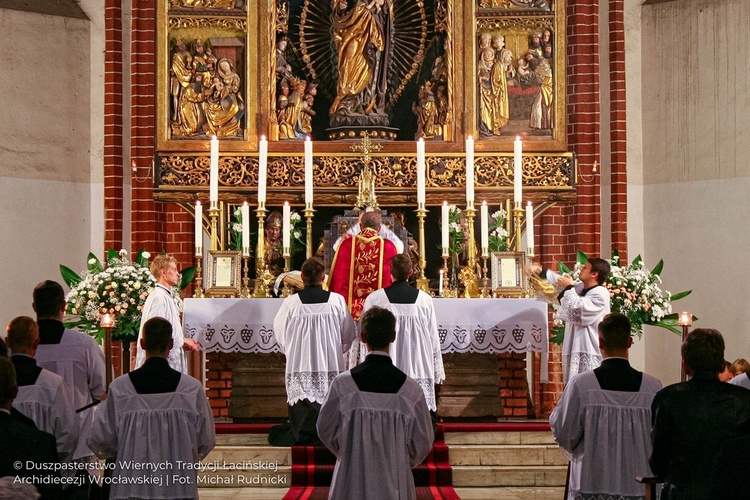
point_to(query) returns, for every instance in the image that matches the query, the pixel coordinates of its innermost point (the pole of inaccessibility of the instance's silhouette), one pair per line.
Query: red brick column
(565, 229)
(149, 218)
(113, 126)
(617, 126)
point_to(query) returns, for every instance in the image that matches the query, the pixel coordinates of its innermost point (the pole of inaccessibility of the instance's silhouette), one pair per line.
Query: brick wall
(617, 127)
(113, 126)
(219, 366)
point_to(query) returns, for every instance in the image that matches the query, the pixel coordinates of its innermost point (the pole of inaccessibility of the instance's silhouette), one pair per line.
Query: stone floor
(510, 493)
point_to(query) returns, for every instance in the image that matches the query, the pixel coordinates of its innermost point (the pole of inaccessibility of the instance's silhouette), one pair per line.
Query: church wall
(695, 171)
(50, 161)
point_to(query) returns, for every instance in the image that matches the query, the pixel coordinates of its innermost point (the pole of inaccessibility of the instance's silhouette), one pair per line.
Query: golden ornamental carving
(553, 171)
(282, 16)
(224, 23)
(202, 4)
(523, 24)
(534, 5)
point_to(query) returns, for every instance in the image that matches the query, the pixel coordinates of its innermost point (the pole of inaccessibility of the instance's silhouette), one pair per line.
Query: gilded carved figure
(428, 126)
(206, 94)
(535, 71)
(501, 112)
(362, 39)
(485, 65)
(224, 106)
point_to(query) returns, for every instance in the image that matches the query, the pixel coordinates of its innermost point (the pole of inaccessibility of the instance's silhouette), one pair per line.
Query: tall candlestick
(245, 214)
(470, 172)
(420, 173)
(517, 171)
(440, 283)
(214, 173)
(198, 228)
(484, 220)
(262, 170)
(286, 229)
(308, 173)
(530, 229)
(445, 214)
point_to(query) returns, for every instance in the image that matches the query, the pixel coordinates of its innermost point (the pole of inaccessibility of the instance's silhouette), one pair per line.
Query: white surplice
(79, 360)
(606, 435)
(174, 430)
(48, 404)
(377, 439)
(160, 303)
(582, 315)
(741, 380)
(416, 350)
(313, 337)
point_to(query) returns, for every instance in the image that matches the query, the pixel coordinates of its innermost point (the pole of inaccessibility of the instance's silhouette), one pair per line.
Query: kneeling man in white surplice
(313, 328)
(157, 422)
(416, 350)
(603, 420)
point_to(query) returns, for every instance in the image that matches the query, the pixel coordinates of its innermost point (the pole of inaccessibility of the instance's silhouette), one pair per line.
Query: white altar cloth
(487, 326)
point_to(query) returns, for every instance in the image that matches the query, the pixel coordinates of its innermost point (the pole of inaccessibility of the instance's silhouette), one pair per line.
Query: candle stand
(261, 290)
(198, 290)
(422, 282)
(308, 211)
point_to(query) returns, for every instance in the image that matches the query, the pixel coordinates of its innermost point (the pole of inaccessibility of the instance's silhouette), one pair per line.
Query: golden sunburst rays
(409, 35)
(316, 44)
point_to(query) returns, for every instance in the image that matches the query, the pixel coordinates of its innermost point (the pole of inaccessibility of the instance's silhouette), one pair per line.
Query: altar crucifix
(366, 194)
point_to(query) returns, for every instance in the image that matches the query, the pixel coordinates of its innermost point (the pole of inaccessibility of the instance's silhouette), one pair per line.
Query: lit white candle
(445, 215)
(286, 229)
(485, 225)
(214, 173)
(517, 171)
(530, 229)
(420, 173)
(470, 172)
(198, 228)
(308, 172)
(440, 283)
(262, 170)
(245, 213)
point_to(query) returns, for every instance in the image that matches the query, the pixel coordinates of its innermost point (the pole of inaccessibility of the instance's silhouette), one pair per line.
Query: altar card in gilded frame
(223, 274)
(508, 278)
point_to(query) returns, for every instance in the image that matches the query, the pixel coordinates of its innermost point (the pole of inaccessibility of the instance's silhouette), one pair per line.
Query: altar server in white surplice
(416, 350)
(603, 420)
(375, 420)
(41, 394)
(313, 328)
(74, 356)
(161, 304)
(582, 307)
(154, 415)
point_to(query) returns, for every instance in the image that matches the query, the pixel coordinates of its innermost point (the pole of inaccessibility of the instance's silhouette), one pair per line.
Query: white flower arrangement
(635, 292)
(119, 289)
(498, 237)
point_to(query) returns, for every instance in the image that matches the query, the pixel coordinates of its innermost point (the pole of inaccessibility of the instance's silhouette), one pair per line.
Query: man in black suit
(693, 419)
(22, 443)
(375, 420)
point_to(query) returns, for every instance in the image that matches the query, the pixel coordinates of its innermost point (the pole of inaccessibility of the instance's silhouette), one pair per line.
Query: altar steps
(481, 456)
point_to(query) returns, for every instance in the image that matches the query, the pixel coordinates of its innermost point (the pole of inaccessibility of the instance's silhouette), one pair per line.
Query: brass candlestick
(517, 219)
(198, 292)
(447, 292)
(287, 259)
(213, 214)
(422, 282)
(485, 279)
(308, 211)
(260, 257)
(245, 291)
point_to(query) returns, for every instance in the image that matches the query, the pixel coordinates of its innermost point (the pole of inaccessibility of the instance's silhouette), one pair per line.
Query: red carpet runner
(312, 471)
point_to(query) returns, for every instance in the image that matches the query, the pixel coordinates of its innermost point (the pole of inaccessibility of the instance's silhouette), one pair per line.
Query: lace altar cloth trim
(464, 325)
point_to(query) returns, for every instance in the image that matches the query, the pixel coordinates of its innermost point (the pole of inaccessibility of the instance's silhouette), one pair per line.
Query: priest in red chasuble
(362, 264)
